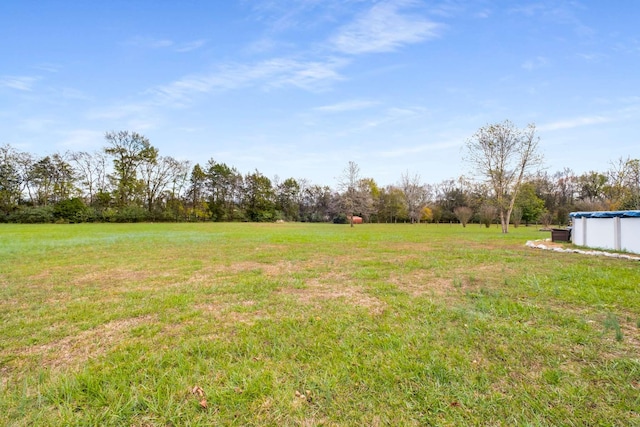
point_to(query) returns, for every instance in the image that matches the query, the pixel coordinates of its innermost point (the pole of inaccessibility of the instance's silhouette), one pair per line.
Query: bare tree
(416, 195)
(487, 214)
(516, 216)
(464, 214)
(349, 186)
(157, 175)
(504, 154)
(91, 171)
(11, 179)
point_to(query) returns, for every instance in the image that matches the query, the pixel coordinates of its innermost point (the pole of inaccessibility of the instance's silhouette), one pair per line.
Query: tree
(258, 198)
(448, 197)
(624, 184)
(157, 174)
(464, 214)
(591, 187)
(504, 154)
(632, 182)
(565, 190)
(315, 204)
(196, 191)
(90, 171)
(487, 214)
(371, 193)
(531, 206)
(348, 185)
(427, 214)
(392, 204)
(416, 195)
(225, 187)
(129, 150)
(287, 199)
(10, 179)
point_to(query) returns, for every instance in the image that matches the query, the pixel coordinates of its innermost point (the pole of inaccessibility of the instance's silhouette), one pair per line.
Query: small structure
(357, 220)
(561, 235)
(616, 230)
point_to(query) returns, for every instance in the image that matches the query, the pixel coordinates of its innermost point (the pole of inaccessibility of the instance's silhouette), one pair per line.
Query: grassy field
(312, 324)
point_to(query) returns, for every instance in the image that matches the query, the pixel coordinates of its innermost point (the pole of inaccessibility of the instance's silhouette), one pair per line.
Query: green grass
(312, 324)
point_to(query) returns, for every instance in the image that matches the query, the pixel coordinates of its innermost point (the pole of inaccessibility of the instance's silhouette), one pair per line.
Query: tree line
(129, 181)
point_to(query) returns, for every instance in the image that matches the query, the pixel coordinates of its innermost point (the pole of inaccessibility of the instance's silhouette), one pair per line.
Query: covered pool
(617, 230)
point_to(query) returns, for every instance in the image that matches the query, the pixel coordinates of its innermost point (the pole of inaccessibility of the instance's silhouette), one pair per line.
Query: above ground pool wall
(616, 230)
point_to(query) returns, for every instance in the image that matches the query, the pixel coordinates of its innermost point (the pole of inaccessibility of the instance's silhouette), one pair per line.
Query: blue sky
(297, 88)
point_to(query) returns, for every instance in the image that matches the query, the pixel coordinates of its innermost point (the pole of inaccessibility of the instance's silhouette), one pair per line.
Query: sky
(298, 88)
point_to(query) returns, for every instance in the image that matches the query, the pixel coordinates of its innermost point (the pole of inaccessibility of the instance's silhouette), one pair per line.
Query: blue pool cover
(606, 214)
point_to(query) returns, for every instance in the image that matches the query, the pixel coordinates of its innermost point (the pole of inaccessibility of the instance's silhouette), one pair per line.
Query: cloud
(82, 139)
(346, 106)
(35, 124)
(417, 149)
(277, 72)
(591, 56)
(537, 62)
(557, 12)
(153, 43)
(286, 15)
(118, 112)
(393, 115)
(574, 123)
(189, 46)
(22, 83)
(48, 67)
(137, 116)
(149, 42)
(383, 28)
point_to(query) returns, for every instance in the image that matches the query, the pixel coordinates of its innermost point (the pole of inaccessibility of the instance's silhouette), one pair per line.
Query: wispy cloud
(417, 149)
(23, 83)
(139, 116)
(82, 139)
(35, 124)
(189, 46)
(574, 123)
(273, 73)
(285, 15)
(591, 57)
(118, 112)
(48, 67)
(384, 28)
(352, 105)
(395, 114)
(558, 12)
(155, 43)
(483, 14)
(534, 63)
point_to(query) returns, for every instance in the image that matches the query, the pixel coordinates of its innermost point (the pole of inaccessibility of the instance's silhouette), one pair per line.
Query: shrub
(340, 219)
(464, 214)
(32, 215)
(131, 213)
(71, 210)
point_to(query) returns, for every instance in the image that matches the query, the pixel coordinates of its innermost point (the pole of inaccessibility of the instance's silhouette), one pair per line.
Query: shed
(617, 230)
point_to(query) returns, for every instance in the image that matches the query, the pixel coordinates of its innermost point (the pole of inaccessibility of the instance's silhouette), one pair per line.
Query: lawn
(312, 324)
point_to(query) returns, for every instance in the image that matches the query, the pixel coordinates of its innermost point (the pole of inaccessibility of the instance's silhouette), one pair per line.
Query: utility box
(561, 235)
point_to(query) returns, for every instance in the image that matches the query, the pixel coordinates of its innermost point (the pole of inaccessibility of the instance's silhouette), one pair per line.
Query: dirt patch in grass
(113, 276)
(452, 285)
(418, 283)
(316, 291)
(209, 273)
(73, 351)
(224, 313)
